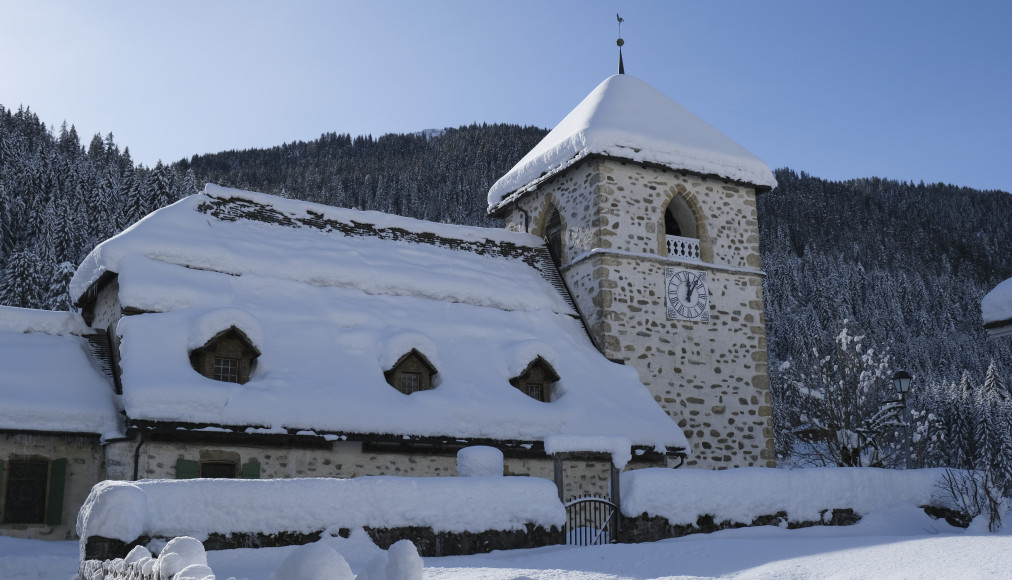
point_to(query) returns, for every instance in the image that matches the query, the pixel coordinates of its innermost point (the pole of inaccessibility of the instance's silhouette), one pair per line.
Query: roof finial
(620, 42)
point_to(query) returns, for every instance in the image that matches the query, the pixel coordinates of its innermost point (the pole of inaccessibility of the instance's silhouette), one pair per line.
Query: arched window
(681, 235)
(679, 219)
(553, 234)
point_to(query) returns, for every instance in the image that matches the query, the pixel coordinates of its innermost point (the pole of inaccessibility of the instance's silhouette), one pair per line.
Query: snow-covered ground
(898, 542)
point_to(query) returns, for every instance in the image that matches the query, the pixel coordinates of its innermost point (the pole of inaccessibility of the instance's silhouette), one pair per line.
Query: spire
(620, 42)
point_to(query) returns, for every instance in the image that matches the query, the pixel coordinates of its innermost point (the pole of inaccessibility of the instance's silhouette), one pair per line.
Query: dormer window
(536, 380)
(226, 369)
(410, 382)
(536, 391)
(411, 373)
(228, 356)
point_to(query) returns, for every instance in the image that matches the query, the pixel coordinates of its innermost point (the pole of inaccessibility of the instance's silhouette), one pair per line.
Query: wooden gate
(591, 521)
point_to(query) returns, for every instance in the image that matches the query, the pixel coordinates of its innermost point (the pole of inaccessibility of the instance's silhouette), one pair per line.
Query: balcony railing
(679, 247)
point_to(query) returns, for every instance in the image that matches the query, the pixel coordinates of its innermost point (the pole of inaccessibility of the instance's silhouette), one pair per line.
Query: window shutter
(251, 469)
(187, 469)
(57, 482)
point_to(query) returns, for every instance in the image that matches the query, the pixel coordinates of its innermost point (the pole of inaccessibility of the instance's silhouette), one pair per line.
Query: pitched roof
(332, 298)
(996, 309)
(49, 382)
(625, 117)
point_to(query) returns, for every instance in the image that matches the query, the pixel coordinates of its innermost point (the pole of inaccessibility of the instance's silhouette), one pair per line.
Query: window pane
(220, 469)
(410, 382)
(226, 369)
(26, 492)
(536, 391)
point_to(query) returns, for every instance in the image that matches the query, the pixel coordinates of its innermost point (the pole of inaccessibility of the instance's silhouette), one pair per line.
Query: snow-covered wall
(742, 495)
(125, 511)
(343, 459)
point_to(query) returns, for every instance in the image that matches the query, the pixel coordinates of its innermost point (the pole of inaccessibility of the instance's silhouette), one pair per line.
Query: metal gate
(591, 521)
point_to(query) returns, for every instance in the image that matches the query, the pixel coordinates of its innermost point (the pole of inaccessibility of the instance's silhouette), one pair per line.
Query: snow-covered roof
(996, 309)
(49, 382)
(625, 117)
(332, 298)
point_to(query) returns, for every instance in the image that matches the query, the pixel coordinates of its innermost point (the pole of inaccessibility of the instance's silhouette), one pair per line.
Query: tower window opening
(553, 233)
(679, 219)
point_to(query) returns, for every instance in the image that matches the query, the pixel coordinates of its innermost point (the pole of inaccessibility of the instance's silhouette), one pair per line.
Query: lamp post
(901, 382)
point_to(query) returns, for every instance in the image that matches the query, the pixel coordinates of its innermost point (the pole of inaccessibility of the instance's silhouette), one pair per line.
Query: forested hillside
(58, 199)
(906, 264)
(902, 265)
(443, 177)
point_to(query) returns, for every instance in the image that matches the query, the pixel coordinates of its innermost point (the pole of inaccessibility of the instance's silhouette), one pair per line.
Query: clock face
(687, 296)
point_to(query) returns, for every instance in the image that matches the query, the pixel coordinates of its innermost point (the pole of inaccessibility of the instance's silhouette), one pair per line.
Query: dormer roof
(626, 118)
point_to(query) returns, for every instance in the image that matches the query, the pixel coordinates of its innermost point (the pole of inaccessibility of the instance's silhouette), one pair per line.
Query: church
(616, 320)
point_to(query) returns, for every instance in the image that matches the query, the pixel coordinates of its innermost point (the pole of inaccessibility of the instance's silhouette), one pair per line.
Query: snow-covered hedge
(182, 558)
(126, 511)
(742, 495)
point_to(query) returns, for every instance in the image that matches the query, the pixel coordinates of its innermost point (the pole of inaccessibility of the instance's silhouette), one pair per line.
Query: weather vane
(620, 42)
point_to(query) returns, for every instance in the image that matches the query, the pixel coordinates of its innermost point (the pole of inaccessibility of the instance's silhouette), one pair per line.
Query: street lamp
(901, 382)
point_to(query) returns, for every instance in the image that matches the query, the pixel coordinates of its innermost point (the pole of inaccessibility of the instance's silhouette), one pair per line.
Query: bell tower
(650, 214)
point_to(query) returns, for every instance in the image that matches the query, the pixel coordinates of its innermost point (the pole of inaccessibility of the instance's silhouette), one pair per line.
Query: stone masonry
(157, 460)
(710, 377)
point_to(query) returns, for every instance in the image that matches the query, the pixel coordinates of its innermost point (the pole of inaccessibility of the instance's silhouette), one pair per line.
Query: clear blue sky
(907, 90)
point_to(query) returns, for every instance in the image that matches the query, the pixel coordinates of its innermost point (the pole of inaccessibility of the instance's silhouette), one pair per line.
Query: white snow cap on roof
(332, 298)
(49, 382)
(627, 118)
(996, 307)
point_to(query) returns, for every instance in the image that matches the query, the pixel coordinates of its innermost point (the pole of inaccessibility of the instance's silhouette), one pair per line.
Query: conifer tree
(965, 424)
(23, 279)
(160, 187)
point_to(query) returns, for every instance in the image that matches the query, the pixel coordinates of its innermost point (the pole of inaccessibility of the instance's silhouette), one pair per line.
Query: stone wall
(107, 306)
(83, 470)
(344, 459)
(710, 377)
(645, 528)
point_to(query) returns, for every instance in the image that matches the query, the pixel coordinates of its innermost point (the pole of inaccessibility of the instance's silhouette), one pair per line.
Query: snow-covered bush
(975, 494)
(400, 562)
(479, 461)
(182, 558)
(844, 413)
(317, 561)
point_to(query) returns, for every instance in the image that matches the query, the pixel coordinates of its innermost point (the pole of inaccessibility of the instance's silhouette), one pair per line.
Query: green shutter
(187, 469)
(57, 482)
(251, 469)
